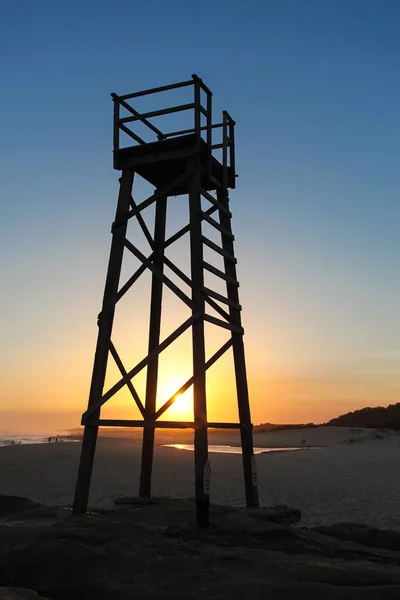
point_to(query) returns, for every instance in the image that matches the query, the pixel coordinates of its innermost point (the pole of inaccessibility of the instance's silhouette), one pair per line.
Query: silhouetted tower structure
(182, 162)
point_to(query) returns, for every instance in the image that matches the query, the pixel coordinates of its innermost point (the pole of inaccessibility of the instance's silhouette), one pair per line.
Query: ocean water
(7, 439)
(230, 449)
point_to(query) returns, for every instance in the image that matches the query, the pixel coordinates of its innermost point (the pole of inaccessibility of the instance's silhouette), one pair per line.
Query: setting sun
(182, 407)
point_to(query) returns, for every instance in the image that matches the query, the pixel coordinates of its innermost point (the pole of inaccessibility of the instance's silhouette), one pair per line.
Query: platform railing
(126, 124)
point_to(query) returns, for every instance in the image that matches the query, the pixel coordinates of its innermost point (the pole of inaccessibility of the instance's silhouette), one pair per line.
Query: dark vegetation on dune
(379, 417)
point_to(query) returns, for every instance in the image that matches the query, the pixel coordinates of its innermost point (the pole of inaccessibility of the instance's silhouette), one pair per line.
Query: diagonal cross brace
(143, 363)
(129, 383)
(143, 225)
(165, 191)
(174, 288)
(190, 381)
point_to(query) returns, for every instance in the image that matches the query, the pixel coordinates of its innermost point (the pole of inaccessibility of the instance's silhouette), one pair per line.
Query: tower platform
(162, 161)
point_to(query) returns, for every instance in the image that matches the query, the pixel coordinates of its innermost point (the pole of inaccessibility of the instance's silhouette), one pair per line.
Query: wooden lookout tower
(197, 165)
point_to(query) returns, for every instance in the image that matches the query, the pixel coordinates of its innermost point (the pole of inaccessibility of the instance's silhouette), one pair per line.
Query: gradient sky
(314, 88)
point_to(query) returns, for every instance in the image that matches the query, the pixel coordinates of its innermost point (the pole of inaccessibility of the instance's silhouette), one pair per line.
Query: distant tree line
(264, 427)
(379, 417)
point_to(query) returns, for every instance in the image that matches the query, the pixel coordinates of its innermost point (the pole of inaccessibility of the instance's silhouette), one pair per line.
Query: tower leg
(154, 340)
(246, 434)
(105, 324)
(199, 370)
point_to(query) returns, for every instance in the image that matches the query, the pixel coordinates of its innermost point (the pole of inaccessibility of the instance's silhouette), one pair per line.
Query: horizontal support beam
(163, 88)
(219, 273)
(192, 130)
(157, 424)
(217, 248)
(223, 324)
(158, 113)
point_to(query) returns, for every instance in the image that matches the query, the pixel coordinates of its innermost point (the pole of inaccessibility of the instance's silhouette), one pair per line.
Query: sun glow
(182, 407)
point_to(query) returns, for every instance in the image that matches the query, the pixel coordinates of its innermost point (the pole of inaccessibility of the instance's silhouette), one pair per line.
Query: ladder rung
(223, 324)
(221, 298)
(216, 248)
(217, 225)
(219, 273)
(216, 203)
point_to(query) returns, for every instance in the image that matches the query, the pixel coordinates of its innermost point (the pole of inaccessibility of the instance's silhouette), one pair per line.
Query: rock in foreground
(155, 551)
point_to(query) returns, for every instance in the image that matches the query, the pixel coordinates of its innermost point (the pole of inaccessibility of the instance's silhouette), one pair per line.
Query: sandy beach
(338, 482)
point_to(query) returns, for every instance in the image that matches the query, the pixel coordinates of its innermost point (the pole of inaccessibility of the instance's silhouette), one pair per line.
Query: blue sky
(314, 88)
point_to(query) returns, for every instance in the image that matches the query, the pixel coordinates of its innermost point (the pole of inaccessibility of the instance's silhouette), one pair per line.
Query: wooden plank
(187, 131)
(143, 363)
(172, 399)
(177, 271)
(129, 383)
(163, 88)
(198, 342)
(222, 298)
(116, 126)
(217, 225)
(143, 226)
(132, 279)
(162, 424)
(215, 202)
(102, 349)
(240, 365)
(202, 84)
(232, 159)
(158, 113)
(219, 353)
(85, 470)
(217, 308)
(154, 342)
(209, 118)
(216, 248)
(219, 273)
(223, 324)
(216, 182)
(131, 134)
(224, 151)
